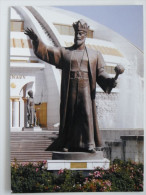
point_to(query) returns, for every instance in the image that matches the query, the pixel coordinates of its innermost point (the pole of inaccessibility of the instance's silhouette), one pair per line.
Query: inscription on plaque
(78, 165)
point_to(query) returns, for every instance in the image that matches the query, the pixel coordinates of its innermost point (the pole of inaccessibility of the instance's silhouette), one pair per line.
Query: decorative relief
(106, 106)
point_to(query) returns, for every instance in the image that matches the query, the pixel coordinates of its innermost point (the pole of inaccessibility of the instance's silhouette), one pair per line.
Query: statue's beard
(79, 42)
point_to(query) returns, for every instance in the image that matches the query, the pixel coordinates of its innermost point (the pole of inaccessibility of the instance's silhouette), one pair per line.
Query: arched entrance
(18, 103)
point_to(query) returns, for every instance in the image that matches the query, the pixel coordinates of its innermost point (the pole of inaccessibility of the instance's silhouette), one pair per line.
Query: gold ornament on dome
(13, 85)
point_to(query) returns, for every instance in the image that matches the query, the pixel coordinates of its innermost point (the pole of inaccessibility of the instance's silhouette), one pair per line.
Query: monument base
(78, 161)
(32, 128)
(78, 164)
(77, 155)
(37, 128)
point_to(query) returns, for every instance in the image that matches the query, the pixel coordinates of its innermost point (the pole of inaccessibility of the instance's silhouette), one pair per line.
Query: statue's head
(81, 28)
(30, 93)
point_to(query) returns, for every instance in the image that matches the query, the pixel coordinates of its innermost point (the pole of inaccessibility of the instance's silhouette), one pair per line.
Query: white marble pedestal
(37, 128)
(32, 128)
(78, 161)
(78, 164)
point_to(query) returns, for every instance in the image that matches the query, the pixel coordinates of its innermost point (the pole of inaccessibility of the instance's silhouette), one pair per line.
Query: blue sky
(125, 20)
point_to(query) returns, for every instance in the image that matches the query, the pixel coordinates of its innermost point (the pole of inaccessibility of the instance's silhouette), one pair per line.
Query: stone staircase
(31, 146)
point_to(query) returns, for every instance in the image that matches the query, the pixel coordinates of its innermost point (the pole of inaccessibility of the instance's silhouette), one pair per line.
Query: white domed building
(123, 108)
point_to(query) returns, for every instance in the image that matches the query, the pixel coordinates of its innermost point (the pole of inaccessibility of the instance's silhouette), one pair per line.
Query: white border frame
(4, 79)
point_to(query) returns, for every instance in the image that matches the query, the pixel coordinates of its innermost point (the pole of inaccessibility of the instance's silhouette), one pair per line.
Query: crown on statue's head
(81, 25)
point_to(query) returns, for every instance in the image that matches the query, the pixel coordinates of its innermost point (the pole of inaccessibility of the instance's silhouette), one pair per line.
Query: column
(21, 113)
(25, 111)
(10, 112)
(15, 121)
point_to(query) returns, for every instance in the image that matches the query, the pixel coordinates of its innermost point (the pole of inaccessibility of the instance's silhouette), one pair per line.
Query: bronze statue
(31, 115)
(81, 68)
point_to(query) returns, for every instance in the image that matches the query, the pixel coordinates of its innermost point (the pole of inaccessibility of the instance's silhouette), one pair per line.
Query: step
(31, 146)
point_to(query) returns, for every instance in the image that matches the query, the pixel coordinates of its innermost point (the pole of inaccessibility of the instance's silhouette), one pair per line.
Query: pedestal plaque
(76, 165)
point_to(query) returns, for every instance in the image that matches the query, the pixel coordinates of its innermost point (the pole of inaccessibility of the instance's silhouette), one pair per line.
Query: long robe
(30, 111)
(79, 131)
(61, 58)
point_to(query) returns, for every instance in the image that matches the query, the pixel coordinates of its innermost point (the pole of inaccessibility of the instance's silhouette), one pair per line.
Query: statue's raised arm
(51, 55)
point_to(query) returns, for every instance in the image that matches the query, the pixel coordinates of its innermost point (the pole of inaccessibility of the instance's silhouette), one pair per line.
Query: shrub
(33, 177)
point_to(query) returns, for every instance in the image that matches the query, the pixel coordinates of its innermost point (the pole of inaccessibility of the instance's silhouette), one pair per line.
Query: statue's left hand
(113, 83)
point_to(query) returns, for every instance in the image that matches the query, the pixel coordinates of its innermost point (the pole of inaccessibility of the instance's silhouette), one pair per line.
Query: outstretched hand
(29, 32)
